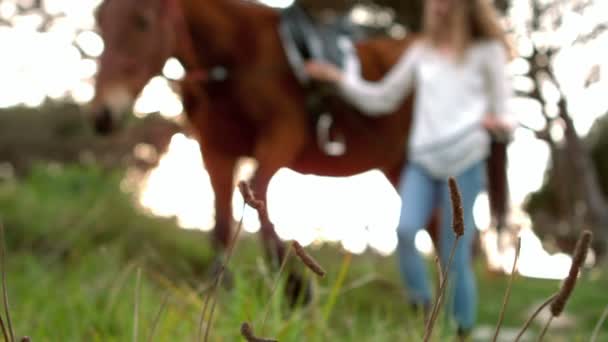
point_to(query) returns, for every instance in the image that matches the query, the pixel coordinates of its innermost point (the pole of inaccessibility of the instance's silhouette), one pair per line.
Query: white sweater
(452, 97)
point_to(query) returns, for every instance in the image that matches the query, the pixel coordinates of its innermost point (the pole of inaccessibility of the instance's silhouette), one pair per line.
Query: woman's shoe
(463, 334)
(424, 307)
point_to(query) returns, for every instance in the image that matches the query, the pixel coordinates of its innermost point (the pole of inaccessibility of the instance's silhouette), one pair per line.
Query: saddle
(305, 38)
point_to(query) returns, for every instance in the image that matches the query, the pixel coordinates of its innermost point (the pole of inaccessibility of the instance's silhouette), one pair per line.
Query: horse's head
(139, 36)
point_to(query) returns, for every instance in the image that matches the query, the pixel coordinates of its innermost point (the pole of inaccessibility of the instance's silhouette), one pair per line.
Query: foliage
(596, 143)
(76, 241)
(61, 132)
(62, 212)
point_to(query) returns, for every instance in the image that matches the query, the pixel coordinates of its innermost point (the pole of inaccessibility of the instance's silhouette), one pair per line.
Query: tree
(577, 200)
(405, 12)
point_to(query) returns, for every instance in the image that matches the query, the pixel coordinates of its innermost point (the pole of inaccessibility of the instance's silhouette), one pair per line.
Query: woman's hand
(498, 126)
(325, 72)
(496, 123)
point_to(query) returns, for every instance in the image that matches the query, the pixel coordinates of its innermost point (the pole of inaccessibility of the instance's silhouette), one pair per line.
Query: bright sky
(359, 211)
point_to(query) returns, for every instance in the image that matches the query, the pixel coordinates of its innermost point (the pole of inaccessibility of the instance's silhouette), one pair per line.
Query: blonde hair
(471, 21)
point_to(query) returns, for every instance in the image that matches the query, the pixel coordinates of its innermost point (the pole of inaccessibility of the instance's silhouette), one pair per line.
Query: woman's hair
(472, 20)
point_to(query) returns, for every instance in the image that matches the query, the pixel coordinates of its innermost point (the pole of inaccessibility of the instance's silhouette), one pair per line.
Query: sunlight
(179, 186)
(535, 262)
(83, 92)
(91, 43)
(277, 3)
(158, 96)
(7, 9)
(173, 69)
(362, 16)
(358, 212)
(527, 158)
(28, 79)
(424, 243)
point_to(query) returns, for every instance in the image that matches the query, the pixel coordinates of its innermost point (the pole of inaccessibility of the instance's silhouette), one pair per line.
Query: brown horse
(256, 108)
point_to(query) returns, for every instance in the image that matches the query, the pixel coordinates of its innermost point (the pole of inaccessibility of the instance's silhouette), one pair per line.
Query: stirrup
(331, 148)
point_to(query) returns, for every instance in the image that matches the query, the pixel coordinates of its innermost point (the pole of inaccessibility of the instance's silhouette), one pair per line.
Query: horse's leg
(498, 196)
(273, 246)
(498, 190)
(220, 168)
(297, 288)
(273, 151)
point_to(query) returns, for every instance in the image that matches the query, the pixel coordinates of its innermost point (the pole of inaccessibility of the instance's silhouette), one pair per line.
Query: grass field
(76, 245)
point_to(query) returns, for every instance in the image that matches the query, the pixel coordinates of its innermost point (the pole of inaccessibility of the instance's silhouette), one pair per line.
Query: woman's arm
(500, 118)
(372, 98)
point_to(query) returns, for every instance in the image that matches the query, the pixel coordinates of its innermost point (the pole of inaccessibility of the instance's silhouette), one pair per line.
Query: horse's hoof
(298, 290)
(227, 277)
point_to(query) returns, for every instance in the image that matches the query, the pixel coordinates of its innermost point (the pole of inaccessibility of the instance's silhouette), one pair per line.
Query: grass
(75, 243)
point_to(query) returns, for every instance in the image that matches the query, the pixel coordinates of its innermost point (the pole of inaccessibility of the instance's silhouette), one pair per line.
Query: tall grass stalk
(533, 316)
(11, 333)
(346, 261)
(136, 309)
(458, 228)
(545, 328)
(438, 301)
(157, 317)
(598, 325)
(212, 296)
(275, 286)
(508, 291)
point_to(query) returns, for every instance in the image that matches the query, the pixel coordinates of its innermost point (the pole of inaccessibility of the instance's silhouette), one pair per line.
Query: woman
(459, 71)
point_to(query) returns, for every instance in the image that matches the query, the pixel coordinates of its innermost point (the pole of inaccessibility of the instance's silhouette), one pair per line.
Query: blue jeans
(421, 194)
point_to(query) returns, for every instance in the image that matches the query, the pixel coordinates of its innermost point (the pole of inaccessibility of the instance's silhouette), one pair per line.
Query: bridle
(196, 73)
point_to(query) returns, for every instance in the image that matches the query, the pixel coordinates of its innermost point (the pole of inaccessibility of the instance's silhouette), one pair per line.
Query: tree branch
(598, 30)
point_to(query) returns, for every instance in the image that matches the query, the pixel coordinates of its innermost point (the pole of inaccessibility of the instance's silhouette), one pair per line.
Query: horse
(242, 99)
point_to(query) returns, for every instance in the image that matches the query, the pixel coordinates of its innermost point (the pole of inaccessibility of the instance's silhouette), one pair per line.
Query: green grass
(76, 241)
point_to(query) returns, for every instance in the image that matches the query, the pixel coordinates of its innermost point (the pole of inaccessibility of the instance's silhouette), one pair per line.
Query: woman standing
(458, 69)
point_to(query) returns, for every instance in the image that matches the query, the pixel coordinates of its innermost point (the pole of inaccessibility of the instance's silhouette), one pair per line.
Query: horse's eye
(142, 22)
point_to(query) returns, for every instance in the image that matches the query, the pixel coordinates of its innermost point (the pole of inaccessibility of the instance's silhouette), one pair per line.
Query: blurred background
(142, 196)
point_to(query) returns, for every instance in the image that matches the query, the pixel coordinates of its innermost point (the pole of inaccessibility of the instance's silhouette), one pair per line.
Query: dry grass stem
(428, 331)
(533, 316)
(9, 334)
(275, 285)
(545, 329)
(458, 227)
(439, 269)
(201, 322)
(508, 291)
(331, 301)
(307, 259)
(157, 317)
(136, 309)
(579, 256)
(598, 325)
(4, 332)
(559, 300)
(247, 332)
(249, 199)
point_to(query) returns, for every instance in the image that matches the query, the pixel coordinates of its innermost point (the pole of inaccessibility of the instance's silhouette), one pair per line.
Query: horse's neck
(221, 30)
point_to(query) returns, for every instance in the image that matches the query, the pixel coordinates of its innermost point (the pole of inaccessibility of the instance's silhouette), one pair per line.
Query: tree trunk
(595, 205)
